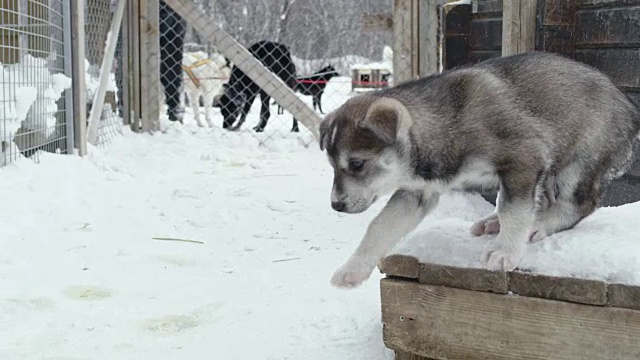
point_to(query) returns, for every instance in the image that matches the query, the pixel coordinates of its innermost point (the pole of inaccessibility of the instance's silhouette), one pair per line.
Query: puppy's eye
(356, 164)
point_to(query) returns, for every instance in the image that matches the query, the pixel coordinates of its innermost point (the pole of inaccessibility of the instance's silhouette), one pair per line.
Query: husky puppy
(546, 132)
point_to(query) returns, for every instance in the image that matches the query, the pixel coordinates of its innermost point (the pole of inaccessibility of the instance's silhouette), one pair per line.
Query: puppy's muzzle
(339, 206)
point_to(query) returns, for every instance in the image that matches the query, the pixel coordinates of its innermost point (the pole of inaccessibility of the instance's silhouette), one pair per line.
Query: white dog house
(376, 75)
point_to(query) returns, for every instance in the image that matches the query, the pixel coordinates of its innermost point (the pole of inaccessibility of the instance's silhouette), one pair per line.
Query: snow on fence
(307, 47)
(35, 97)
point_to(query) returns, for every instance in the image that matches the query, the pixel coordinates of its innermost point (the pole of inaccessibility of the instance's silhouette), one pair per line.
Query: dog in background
(549, 153)
(204, 78)
(241, 91)
(314, 86)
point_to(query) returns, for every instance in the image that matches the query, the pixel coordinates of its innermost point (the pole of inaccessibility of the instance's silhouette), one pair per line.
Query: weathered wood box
(434, 311)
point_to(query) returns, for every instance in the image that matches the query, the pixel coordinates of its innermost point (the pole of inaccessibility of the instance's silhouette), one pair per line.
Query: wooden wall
(607, 37)
(472, 35)
(602, 33)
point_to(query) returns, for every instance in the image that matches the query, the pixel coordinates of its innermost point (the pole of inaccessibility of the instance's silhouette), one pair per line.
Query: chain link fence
(318, 49)
(34, 64)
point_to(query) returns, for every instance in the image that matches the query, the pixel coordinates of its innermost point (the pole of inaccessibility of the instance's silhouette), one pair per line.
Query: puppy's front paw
(488, 227)
(501, 259)
(351, 275)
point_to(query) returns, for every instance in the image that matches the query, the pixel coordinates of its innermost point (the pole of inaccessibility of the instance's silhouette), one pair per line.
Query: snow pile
(604, 246)
(92, 79)
(26, 85)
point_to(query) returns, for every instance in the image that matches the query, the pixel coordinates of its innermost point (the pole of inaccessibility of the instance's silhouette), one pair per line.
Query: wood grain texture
(401, 355)
(611, 28)
(489, 6)
(150, 70)
(586, 4)
(518, 26)
(621, 65)
(463, 278)
(446, 323)
(404, 266)
(624, 296)
(428, 37)
(402, 40)
(581, 291)
(456, 47)
(78, 81)
(486, 34)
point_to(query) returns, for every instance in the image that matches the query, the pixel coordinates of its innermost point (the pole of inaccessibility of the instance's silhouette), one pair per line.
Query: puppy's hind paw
(350, 276)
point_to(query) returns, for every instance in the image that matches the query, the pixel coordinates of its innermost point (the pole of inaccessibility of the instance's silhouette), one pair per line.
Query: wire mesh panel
(33, 110)
(98, 17)
(317, 48)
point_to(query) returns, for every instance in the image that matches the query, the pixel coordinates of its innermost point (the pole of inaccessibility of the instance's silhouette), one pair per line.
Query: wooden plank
(402, 40)
(619, 27)
(401, 266)
(78, 81)
(447, 323)
(97, 104)
(581, 291)
(557, 27)
(585, 4)
(559, 12)
(476, 56)
(456, 37)
(415, 39)
(126, 66)
(136, 91)
(401, 355)
(518, 26)
(486, 34)
(621, 65)
(150, 71)
(528, 26)
(510, 27)
(428, 37)
(463, 278)
(624, 296)
(274, 86)
(558, 39)
(492, 7)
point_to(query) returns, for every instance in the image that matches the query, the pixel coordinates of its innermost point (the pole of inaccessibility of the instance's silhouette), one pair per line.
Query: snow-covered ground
(82, 277)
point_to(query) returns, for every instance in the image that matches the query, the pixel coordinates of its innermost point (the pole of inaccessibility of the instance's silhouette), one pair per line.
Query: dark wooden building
(602, 33)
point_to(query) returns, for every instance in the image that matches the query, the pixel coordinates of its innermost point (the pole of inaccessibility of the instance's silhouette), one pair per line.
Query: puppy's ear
(325, 128)
(388, 119)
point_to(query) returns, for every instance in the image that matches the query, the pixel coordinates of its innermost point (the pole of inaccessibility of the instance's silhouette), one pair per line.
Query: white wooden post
(105, 70)
(78, 84)
(150, 64)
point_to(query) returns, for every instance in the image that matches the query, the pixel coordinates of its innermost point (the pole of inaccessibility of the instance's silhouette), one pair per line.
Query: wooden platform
(434, 311)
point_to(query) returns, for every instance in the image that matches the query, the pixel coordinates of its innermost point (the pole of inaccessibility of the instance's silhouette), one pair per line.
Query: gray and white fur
(547, 132)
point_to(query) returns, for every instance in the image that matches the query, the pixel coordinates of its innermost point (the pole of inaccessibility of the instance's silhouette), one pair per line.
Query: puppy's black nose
(338, 206)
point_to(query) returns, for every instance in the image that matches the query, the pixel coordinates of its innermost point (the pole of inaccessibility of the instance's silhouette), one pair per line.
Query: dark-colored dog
(314, 86)
(241, 90)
